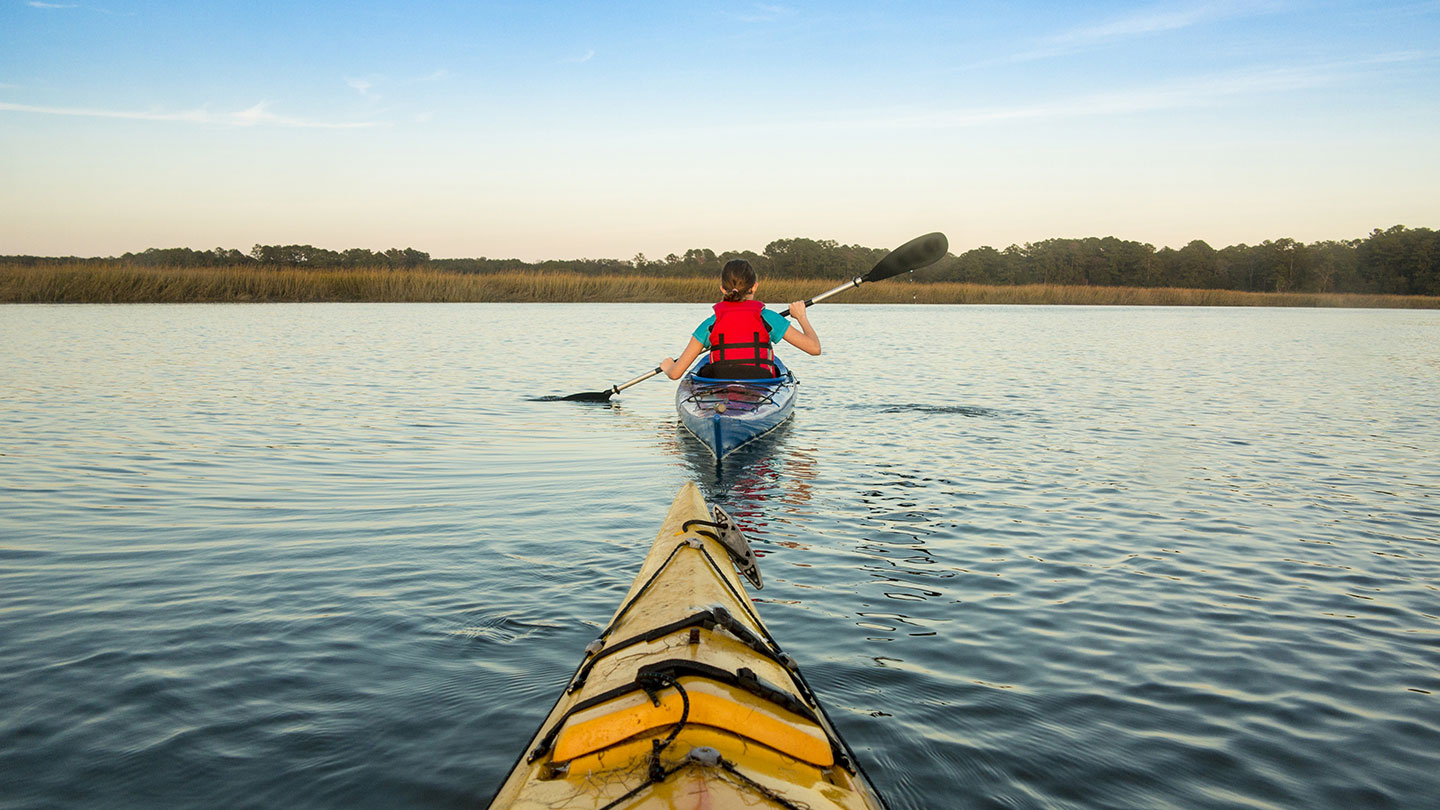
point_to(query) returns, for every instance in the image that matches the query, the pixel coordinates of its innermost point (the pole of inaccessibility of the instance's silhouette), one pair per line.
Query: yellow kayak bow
(686, 700)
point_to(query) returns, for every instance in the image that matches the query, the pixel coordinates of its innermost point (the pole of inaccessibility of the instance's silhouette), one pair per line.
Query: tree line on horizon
(1394, 261)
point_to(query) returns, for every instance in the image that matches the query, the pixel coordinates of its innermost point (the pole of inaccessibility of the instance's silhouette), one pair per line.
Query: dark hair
(736, 279)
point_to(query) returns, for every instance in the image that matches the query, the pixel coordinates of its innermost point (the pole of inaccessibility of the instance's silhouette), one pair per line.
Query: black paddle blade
(588, 396)
(922, 251)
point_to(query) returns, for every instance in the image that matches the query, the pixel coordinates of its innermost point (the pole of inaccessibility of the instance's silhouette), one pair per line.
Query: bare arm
(801, 334)
(673, 368)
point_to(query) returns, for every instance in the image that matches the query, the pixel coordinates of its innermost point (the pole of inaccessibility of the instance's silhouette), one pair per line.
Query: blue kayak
(726, 415)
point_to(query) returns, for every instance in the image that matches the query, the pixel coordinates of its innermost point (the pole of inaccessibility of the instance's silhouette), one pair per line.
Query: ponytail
(736, 279)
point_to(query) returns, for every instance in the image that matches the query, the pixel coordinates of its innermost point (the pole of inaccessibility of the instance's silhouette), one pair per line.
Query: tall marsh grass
(118, 283)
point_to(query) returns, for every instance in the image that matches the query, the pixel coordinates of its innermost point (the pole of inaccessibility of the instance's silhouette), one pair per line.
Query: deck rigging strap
(743, 678)
(764, 395)
(685, 527)
(708, 619)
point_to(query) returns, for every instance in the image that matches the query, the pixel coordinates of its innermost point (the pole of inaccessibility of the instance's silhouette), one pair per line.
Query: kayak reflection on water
(752, 481)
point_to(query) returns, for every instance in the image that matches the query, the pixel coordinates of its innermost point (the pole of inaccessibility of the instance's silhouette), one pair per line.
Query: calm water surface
(333, 556)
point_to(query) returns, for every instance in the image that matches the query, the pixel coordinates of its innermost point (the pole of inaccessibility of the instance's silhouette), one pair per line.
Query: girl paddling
(740, 334)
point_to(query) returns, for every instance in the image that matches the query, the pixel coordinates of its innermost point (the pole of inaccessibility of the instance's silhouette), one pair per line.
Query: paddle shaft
(642, 378)
(851, 284)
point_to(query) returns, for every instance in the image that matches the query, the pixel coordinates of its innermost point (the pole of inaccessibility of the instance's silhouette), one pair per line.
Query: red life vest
(740, 341)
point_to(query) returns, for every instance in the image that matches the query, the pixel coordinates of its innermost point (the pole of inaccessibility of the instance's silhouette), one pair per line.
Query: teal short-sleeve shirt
(777, 323)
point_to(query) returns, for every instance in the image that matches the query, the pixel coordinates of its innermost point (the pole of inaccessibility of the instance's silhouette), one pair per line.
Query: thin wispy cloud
(191, 116)
(95, 9)
(258, 115)
(361, 86)
(367, 86)
(582, 59)
(1151, 21)
(1191, 93)
(1145, 22)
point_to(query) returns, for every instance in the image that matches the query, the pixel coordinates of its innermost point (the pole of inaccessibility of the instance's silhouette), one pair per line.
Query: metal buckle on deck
(736, 543)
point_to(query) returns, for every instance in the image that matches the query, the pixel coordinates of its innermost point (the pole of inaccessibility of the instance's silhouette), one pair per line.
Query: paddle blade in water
(588, 396)
(604, 396)
(919, 252)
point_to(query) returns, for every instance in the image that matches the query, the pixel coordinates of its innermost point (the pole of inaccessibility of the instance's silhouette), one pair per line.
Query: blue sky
(605, 129)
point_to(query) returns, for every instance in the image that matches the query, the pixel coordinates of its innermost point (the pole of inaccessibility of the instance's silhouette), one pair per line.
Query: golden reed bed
(81, 283)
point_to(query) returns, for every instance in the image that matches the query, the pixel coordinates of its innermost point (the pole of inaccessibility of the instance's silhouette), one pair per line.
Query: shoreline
(89, 284)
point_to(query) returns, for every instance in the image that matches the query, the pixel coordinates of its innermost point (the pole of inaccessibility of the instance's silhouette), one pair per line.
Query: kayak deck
(686, 700)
